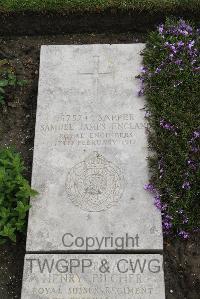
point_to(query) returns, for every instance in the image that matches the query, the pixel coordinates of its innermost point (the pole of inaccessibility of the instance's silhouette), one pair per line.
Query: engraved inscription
(76, 278)
(94, 184)
(81, 130)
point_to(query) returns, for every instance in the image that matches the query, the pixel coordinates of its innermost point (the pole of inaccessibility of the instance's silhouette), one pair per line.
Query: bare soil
(17, 123)
(98, 21)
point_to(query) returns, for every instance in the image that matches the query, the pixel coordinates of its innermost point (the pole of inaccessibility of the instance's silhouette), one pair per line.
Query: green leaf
(8, 232)
(22, 209)
(15, 192)
(22, 82)
(2, 99)
(12, 80)
(4, 83)
(2, 90)
(33, 193)
(4, 213)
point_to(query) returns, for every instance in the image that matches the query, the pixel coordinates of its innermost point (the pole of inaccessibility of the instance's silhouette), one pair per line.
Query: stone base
(92, 276)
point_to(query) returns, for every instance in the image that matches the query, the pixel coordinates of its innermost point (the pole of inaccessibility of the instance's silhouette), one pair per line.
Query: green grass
(98, 5)
(171, 83)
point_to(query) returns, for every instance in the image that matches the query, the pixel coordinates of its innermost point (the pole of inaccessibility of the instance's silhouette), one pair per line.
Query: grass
(98, 5)
(171, 82)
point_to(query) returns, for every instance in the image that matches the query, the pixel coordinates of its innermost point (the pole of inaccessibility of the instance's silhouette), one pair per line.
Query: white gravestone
(90, 153)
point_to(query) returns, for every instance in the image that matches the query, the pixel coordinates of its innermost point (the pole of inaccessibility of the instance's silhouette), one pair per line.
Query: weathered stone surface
(90, 153)
(93, 276)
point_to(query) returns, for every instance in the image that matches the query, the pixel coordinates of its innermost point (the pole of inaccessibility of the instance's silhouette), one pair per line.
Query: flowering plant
(170, 81)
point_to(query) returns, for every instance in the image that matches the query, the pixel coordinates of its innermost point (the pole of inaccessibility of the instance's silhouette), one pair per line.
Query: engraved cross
(96, 74)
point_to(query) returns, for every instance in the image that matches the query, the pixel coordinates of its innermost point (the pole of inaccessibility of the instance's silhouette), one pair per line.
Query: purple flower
(178, 61)
(164, 124)
(196, 134)
(185, 220)
(182, 29)
(173, 49)
(149, 187)
(191, 44)
(158, 70)
(184, 217)
(180, 44)
(193, 61)
(159, 205)
(147, 114)
(184, 26)
(157, 199)
(192, 164)
(142, 80)
(141, 92)
(184, 32)
(195, 149)
(186, 185)
(167, 223)
(168, 126)
(144, 69)
(161, 29)
(184, 234)
(197, 68)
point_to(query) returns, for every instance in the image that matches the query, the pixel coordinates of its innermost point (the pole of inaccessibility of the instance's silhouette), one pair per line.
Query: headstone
(93, 276)
(90, 152)
(90, 169)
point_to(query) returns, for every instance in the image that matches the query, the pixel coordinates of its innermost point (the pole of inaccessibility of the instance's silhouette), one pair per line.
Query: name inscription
(92, 130)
